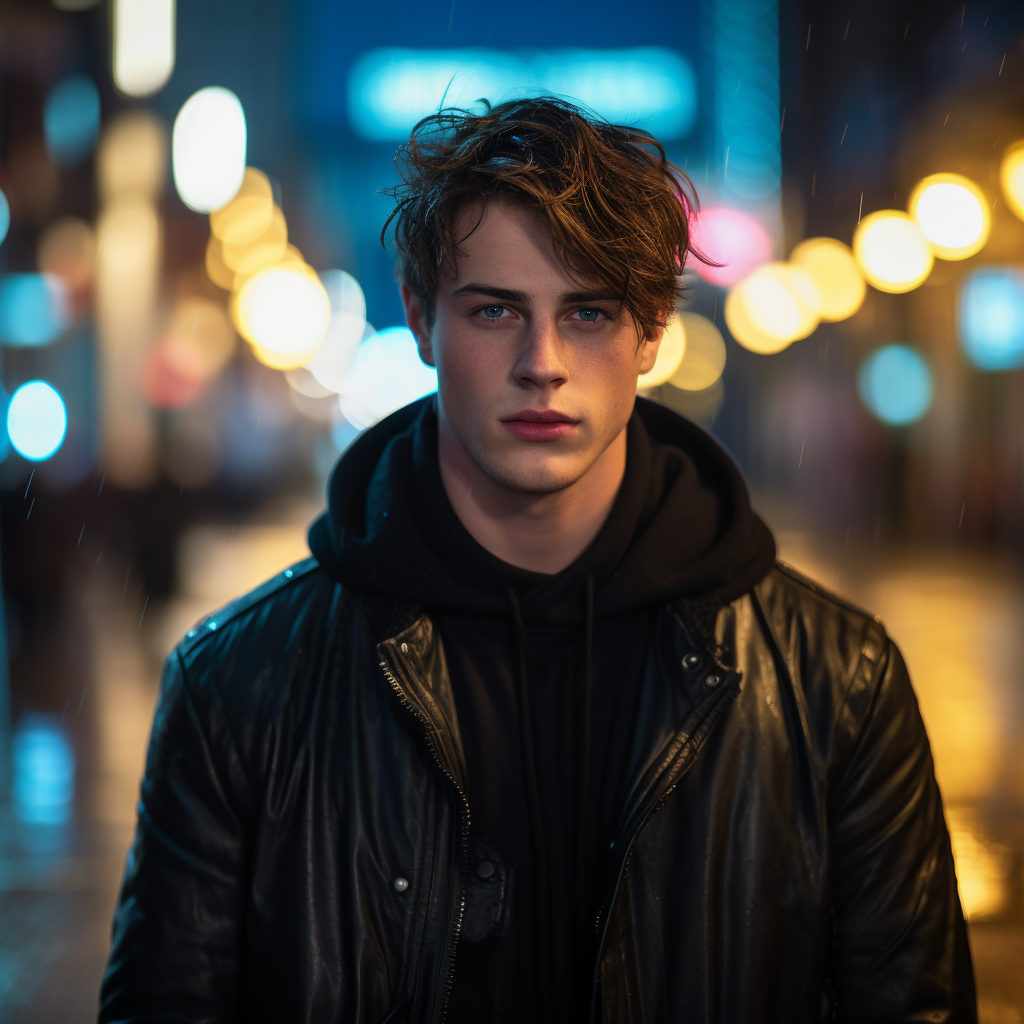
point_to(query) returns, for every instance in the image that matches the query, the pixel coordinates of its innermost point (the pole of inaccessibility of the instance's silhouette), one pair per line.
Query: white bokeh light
(208, 149)
(36, 420)
(387, 374)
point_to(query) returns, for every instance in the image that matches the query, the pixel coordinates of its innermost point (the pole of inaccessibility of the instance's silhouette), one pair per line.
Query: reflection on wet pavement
(63, 841)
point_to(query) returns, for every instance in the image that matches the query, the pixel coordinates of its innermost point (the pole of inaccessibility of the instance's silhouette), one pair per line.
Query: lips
(539, 425)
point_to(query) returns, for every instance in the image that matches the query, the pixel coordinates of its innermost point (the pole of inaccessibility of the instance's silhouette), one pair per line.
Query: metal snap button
(401, 884)
(485, 869)
(405, 648)
(693, 662)
(712, 680)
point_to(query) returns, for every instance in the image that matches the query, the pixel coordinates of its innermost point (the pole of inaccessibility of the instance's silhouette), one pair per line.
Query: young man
(541, 732)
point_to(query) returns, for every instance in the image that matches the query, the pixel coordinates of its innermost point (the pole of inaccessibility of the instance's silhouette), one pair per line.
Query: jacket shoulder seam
(210, 624)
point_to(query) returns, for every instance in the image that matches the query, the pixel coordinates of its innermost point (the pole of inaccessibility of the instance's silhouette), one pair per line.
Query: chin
(543, 474)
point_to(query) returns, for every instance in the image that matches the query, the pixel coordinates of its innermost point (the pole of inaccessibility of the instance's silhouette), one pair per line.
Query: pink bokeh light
(731, 238)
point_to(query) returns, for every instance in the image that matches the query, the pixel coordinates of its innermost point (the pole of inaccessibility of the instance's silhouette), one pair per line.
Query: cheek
(467, 373)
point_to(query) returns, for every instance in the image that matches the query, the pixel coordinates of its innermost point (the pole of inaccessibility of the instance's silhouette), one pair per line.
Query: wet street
(84, 697)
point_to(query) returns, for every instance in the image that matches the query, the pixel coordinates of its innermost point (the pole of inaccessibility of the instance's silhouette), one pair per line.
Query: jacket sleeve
(176, 935)
(899, 949)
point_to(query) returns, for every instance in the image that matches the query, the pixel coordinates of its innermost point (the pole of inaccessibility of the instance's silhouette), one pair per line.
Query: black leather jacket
(300, 853)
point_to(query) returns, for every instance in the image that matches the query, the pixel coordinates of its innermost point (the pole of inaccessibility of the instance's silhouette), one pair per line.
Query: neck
(540, 532)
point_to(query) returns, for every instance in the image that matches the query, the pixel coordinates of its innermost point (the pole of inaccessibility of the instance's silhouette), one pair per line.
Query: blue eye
(590, 315)
(493, 312)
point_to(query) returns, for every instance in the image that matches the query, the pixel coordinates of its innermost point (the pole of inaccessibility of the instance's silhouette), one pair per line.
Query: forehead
(509, 246)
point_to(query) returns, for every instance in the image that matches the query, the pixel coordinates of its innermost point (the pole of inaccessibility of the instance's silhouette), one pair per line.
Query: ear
(649, 349)
(415, 317)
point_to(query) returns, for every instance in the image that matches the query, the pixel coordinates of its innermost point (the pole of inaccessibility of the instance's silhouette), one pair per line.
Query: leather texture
(781, 853)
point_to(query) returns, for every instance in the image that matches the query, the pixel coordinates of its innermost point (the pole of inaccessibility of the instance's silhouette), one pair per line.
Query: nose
(541, 361)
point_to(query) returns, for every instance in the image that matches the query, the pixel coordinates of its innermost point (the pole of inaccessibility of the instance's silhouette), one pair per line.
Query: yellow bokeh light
(704, 357)
(132, 157)
(204, 326)
(1011, 177)
(952, 213)
(772, 307)
(263, 251)
(670, 355)
(891, 251)
(216, 269)
(835, 272)
(249, 215)
(283, 310)
(282, 360)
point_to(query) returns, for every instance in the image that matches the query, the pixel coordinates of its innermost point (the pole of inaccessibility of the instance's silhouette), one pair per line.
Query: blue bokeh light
(5, 216)
(386, 375)
(71, 119)
(33, 309)
(895, 383)
(44, 771)
(652, 87)
(36, 420)
(992, 318)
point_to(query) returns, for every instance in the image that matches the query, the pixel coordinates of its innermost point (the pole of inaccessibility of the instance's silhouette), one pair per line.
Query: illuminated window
(652, 87)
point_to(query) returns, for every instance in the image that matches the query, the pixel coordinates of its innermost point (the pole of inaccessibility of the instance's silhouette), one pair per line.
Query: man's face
(536, 369)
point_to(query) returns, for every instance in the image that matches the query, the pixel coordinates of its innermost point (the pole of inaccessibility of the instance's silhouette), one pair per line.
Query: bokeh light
(43, 786)
(132, 157)
(952, 213)
(704, 356)
(895, 384)
(172, 374)
(202, 325)
(347, 329)
(387, 374)
(992, 318)
(208, 149)
(731, 238)
(835, 272)
(1011, 177)
(891, 251)
(143, 50)
(771, 308)
(33, 309)
(266, 249)
(36, 420)
(249, 214)
(5, 216)
(71, 119)
(67, 251)
(670, 355)
(389, 90)
(283, 310)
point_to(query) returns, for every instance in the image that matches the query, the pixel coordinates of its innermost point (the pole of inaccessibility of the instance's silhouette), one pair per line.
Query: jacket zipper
(707, 723)
(448, 971)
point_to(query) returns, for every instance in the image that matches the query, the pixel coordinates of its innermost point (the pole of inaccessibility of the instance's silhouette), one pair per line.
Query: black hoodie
(545, 669)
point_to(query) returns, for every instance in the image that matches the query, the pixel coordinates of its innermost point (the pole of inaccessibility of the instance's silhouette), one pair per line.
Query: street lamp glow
(143, 52)
(704, 357)
(208, 149)
(36, 420)
(773, 307)
(953, 215)
(1011, 177)
(670, 355)
(284, 310)
(836, 274)
(891, 251)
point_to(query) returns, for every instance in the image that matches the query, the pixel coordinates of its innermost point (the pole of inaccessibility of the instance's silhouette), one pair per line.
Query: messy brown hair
(617, 208)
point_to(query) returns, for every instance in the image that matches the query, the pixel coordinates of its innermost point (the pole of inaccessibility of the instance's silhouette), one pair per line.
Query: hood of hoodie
(681, 526)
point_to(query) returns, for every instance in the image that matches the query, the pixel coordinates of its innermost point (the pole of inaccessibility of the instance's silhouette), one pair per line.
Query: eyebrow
(510, 295)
